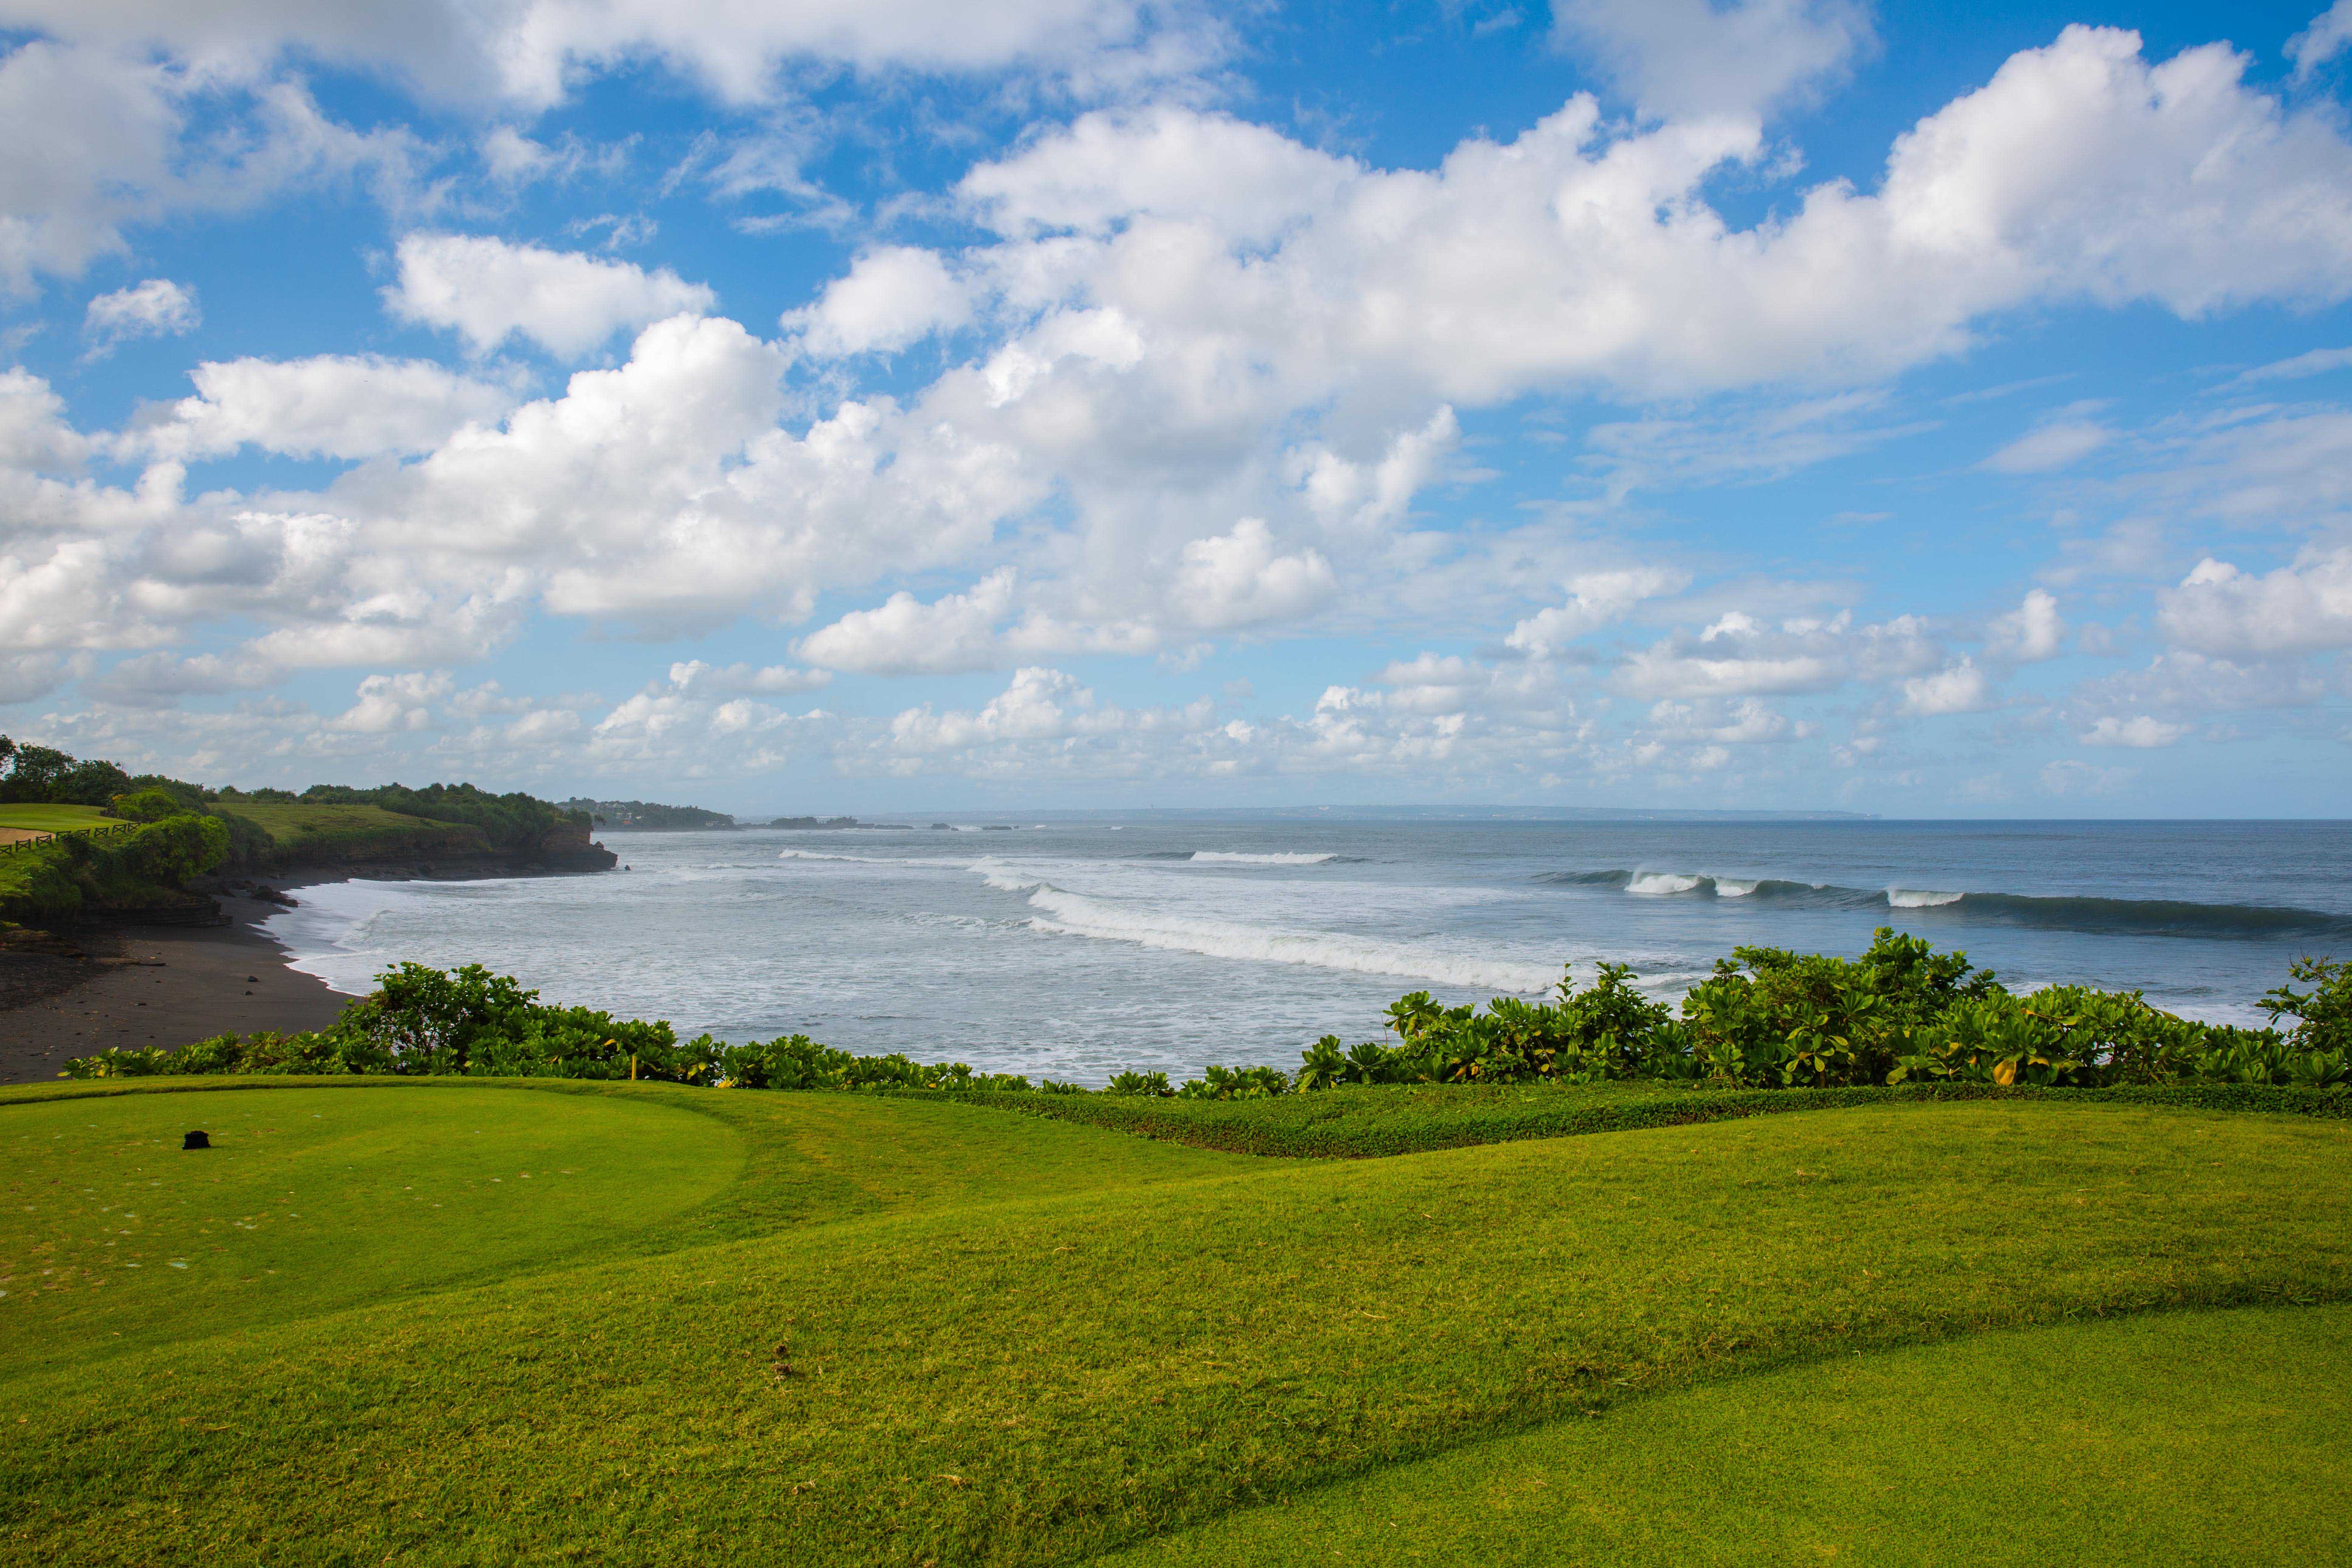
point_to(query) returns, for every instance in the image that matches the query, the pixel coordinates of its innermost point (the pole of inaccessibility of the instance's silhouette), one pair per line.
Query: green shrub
(148, 805)
(1900, 1014)
(512, 823)
(1151, 1083)
(2324, 1013)
(161, 854)
(76, 873)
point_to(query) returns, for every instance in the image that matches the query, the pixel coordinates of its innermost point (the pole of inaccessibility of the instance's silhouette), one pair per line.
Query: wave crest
(2060, 911)
(1237, 857)
(1075, 914)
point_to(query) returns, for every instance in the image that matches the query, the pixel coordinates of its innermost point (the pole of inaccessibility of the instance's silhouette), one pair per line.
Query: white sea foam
(1661, 884)
(1074, 914)
(1003, 877)
(1236, 857)
(1909, 899)
(328, 934)
(1726, 887)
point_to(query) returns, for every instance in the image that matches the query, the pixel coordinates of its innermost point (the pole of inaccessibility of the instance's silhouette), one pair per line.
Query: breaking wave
(816, 855)
(2047, 913)
(1075, 914)
(1236, 857)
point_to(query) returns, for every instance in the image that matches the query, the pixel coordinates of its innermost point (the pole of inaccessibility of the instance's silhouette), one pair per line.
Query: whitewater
(1076, 949)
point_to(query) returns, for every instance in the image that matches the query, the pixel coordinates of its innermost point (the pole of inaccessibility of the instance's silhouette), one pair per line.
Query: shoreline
(72, 993)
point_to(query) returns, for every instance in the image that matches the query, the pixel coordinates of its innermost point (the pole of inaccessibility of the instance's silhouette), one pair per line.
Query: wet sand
(155, 986)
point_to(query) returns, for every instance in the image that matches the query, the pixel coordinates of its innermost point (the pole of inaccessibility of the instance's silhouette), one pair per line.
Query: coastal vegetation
(646, 816)
(1899, 1016)
(472, 1320)
(282, 833)
(85, 836)
(510, 824)
(127, 865)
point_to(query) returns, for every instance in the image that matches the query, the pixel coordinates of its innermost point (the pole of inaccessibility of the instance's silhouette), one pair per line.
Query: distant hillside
(646, 816)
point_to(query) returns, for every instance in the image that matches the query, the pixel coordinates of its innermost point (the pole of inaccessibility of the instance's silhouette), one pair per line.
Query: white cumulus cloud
(1960, 688)
(2140, 732)
(1690, 57)
(331, 406)
(489, 291)
(2029, 633)
(889, 299)
(1594, 600)
(904, 637)
(1242, 578)
(158, 308)
(2219, 609)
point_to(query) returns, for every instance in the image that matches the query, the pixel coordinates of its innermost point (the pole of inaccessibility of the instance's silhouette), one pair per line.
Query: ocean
(1072, 950)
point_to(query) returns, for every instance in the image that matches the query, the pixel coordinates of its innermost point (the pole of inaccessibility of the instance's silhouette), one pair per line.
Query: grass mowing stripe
(2175, 1438)
(1367, 1121)
(1031, 1382)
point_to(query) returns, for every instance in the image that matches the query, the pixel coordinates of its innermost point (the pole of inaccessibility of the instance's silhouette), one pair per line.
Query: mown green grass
(2175, 1438)
(309, 1200)
(313, 827)
(53, 818)
(1365, 1120)
(943, 1333)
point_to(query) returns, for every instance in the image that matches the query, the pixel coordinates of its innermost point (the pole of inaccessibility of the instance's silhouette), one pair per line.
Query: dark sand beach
(154, 985)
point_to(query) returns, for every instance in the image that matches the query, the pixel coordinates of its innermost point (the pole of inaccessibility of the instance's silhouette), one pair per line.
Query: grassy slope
(53, 818)
(429, 1181)
(1011, 1339)
(354, 829)
(1359, 1121)
(2177, 1437)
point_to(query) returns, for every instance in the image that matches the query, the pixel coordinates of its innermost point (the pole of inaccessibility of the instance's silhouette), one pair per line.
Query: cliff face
(568, 847)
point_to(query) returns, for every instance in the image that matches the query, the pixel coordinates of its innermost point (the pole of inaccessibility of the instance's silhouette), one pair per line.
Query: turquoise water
(1076, 949)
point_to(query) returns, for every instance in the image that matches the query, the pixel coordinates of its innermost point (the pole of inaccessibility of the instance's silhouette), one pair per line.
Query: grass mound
(2177, 1437)
(907, 1330)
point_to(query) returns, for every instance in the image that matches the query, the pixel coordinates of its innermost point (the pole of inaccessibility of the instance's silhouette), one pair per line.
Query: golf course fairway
(654, 1324)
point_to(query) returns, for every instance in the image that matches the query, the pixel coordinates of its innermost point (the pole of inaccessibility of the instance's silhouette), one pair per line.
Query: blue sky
(1925, 410)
